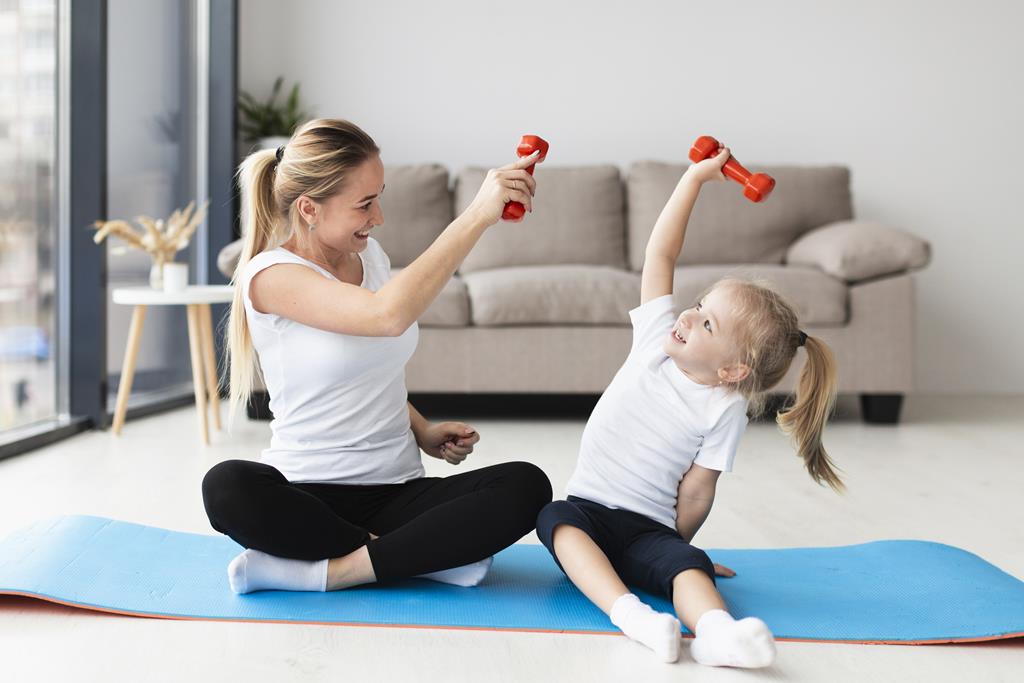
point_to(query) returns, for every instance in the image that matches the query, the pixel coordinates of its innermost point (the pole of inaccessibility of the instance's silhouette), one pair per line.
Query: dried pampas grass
(161, 239)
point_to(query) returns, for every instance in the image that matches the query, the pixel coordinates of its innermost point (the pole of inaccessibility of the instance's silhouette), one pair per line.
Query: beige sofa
(541, 307)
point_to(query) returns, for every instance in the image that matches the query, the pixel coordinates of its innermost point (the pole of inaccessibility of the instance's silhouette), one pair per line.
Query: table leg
(195, 346)
(210, 363)
(131, 353)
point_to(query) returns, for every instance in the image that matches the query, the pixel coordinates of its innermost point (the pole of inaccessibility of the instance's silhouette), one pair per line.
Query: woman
(340, 498)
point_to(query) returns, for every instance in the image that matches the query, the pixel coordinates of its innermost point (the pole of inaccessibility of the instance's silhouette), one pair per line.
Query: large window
(108, 109)
(153, 119)
(29, 388)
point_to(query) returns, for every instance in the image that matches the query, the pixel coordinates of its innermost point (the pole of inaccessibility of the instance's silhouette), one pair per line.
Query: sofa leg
(258, 407)
(881, 408)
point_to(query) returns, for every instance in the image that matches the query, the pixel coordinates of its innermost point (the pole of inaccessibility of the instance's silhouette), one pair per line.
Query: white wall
(922, 100)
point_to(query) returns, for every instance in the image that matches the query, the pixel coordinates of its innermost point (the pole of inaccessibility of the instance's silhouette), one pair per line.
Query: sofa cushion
(555, 295)
(819, 298)
(417, 207)
(577, 218)
(727, 228)
(450, 308)
(859, 250)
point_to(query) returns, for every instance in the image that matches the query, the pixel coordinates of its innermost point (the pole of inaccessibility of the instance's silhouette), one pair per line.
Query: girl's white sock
(724, 641)
(466, 575)
(656, 630)
(257, 571)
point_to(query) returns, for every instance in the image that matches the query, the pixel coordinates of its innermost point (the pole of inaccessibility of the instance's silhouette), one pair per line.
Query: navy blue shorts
(643, 552)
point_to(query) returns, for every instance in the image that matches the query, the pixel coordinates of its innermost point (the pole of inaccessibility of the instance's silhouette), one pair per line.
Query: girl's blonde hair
(768, 336)
(315, 162)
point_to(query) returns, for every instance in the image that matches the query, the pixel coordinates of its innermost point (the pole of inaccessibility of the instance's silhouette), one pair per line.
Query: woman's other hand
(449, 441)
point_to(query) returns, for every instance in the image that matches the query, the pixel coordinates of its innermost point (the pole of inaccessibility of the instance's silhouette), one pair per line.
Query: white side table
(197, 300)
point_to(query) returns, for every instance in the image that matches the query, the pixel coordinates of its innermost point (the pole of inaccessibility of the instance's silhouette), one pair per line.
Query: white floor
(952, 472)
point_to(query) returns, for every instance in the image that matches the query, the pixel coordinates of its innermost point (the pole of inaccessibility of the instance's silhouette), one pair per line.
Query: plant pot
(175, 276)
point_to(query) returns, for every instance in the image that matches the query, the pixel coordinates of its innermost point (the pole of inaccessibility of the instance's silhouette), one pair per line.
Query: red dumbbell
(756, 186)
(527, 146)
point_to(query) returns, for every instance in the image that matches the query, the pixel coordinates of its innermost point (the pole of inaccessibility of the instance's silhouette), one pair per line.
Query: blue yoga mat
(882, 592)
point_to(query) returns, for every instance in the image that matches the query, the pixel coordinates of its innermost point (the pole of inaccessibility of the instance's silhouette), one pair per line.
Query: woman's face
(344, 221)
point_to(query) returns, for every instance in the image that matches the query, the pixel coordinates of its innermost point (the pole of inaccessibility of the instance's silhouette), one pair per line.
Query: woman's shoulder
(266, 259)
(275, 255)
(271, 257)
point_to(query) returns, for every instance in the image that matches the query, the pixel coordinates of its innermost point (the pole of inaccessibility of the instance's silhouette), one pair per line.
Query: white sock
(656, 630)
(467, 575)
(724, 641)
(257, 571)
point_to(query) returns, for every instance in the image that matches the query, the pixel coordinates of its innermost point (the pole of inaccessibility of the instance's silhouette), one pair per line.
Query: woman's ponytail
(262, 222)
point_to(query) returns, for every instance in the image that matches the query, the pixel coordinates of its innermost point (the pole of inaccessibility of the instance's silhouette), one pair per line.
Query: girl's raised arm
(666, 240)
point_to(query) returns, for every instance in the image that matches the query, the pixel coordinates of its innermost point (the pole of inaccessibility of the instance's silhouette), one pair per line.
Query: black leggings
(424, 525)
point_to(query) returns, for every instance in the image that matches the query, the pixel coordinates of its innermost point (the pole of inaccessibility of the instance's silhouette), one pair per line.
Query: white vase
(175, 276)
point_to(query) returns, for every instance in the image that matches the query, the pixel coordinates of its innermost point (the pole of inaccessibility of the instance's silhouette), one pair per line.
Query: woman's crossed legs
(369, 533)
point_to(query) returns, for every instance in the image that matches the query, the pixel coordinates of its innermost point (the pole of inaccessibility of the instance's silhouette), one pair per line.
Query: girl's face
(701, 342)
(343, 221)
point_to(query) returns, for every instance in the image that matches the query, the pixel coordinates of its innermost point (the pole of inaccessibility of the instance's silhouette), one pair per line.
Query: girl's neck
(693, 377)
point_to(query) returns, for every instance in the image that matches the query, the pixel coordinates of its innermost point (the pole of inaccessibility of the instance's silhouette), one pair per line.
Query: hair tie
(280, 153)
(803, 338)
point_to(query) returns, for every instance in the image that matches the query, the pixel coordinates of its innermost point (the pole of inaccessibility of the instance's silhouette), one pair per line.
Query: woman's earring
(312, 227)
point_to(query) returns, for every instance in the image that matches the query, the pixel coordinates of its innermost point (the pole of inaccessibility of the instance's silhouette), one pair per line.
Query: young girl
(666, 427)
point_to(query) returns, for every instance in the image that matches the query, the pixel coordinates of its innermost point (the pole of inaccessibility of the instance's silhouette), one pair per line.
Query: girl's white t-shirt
(339, 401)
(652, 423)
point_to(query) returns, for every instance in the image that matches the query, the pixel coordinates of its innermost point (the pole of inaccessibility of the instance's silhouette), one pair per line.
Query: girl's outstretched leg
(589, 568)
(720, 640)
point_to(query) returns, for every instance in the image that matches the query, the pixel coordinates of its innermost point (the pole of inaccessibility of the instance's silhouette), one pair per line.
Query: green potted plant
(270, 123)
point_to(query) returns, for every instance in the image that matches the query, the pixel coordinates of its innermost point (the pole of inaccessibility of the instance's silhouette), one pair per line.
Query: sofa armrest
(227, 259)
(859, 250)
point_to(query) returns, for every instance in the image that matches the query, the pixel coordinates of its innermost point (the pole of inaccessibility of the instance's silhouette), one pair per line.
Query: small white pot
(175, 277)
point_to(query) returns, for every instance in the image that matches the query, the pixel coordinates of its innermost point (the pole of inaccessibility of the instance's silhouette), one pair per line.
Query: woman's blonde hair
(315, 162)
(768, 336)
